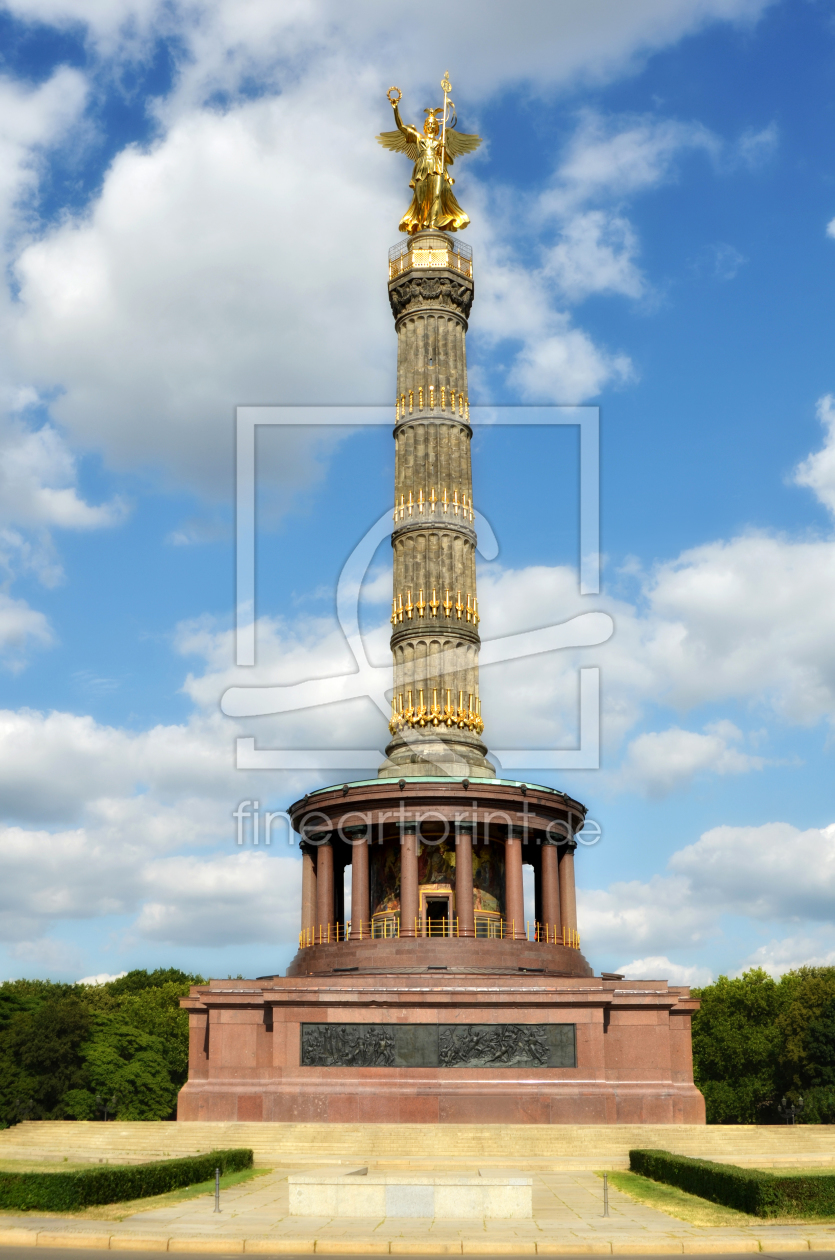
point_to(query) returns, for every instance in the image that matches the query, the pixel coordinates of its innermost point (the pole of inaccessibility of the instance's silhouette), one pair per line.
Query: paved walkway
(567, 1218)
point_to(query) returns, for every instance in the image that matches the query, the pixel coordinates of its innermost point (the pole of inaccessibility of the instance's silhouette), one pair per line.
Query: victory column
(437, 999)
(436, 719)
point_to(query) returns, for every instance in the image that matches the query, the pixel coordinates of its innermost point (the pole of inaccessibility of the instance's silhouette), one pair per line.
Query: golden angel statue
(433, 204)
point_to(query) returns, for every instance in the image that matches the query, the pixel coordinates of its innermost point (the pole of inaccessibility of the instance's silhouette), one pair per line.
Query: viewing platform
(418, 253)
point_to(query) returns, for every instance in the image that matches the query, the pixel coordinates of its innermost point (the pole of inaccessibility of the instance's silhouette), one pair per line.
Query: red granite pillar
(568, 896)
(464, 884)
(409, 901)
(360, 897)
(308, 890)
(324, 889)
(551, 917)
(514, 896)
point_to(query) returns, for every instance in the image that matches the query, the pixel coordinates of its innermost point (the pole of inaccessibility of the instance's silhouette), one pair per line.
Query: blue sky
(194, 215)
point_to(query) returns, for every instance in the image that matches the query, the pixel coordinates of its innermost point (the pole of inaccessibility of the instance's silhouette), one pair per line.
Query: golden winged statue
(433, 151)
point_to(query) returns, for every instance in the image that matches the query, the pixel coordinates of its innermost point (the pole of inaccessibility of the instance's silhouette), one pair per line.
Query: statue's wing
(457, 143)
(398, 143)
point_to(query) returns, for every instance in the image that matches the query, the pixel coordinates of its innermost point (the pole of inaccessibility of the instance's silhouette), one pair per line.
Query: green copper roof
(439, 778)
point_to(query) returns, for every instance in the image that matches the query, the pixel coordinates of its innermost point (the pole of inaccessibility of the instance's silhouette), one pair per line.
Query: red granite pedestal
(633, 1061)
(497, 1020)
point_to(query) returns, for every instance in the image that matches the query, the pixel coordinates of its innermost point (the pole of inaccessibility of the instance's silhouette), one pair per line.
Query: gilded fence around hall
(487, 926)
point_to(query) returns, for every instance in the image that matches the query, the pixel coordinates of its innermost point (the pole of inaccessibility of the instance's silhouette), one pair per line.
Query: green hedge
(747, 1189)
(68, 1191)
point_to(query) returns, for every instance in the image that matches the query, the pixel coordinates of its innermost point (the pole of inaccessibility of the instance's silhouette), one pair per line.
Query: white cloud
(223, 235)
(743, 621)
(46, 877)
(124, 808)
(234, 899)
(632, 915)
(606, 162)
(37, 471)
(596, 254)
(548, 43)
(212, 268)
(661, 762)
(830, 228)
(557, 42)
(567, 367)
(817, 471)
(38, 475)
(197, 279)
(99, 871)
(130, 803)
(615, 158)
(30, 551)
(756, 147)
(104, 977)
(31, 119)
(746, 619)
(660, 967)
(209, 273)
(53, 956)
(792, 952)
(21, 629)
(53, 765)
(774, 872)
(556, 361)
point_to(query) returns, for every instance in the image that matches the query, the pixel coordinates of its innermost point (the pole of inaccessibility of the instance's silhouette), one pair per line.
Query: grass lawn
(696, 1211)
(119, 1211)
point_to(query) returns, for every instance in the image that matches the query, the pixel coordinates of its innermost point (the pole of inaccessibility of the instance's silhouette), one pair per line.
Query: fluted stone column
(360, 893)
(550, 887)
(464, 884)
(308, 890)
(568, 895)
(436, 711)
(324, 886)
(409, 899)
(514, 893)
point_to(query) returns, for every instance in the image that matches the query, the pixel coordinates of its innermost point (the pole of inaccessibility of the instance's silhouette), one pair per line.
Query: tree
(129, 1066)
(736, 1047)
(63, 1045)
(139, 981)
(807, 1028)
(41, 1056)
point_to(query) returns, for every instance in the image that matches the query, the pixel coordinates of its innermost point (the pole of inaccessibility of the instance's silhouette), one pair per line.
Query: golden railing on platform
(404, 258)
(488, 926)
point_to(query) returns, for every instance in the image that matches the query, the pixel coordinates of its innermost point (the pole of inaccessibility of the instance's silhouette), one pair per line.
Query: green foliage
(756, 1039)
(745, 1189)
(736, 1045)
(131, 1064)
(819, 1106)
(69, 1191)
(66, 1050)
(141, 981)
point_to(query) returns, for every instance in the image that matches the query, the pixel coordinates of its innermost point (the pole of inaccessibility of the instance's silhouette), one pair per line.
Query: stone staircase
(428, 1147)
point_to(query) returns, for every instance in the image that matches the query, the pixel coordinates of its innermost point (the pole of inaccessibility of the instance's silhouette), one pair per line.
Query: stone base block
(448, 1044)
(442, 1196)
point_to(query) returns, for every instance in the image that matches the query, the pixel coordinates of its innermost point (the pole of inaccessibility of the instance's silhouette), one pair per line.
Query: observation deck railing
(405, 255)
(487, 926)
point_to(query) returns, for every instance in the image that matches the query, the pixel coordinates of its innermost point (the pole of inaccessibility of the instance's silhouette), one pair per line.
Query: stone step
(589, 1146)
